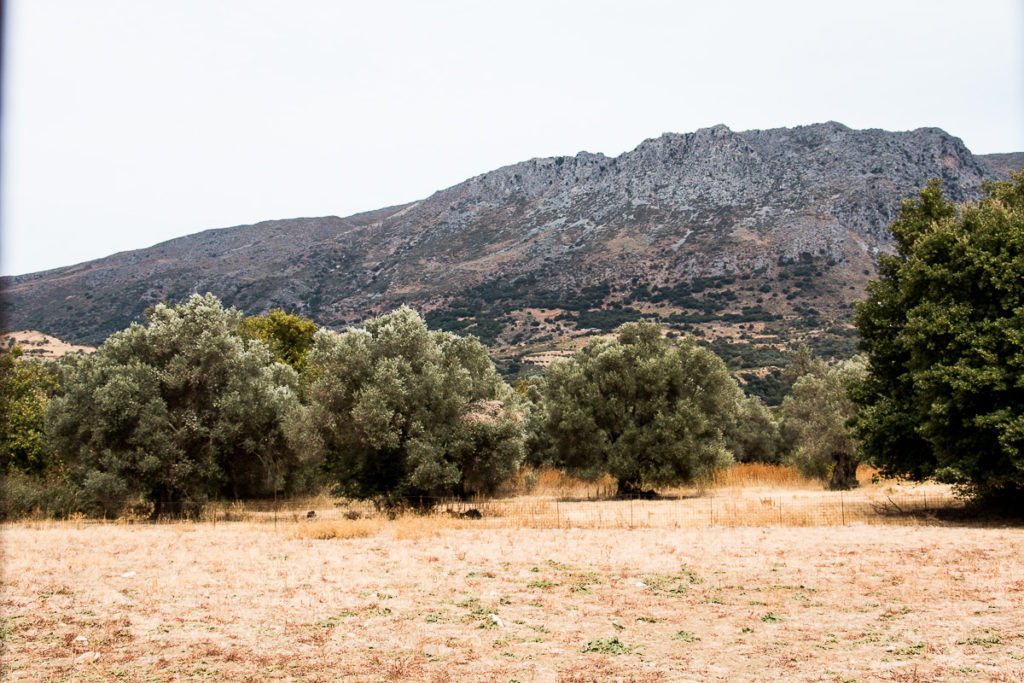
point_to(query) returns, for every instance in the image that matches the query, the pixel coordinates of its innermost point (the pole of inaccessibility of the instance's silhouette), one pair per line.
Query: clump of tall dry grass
(756, 474)
(552, 482)
(343, 529)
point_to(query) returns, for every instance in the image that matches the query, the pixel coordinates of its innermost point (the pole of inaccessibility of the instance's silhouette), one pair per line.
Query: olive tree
(639, 407)
(401, 411)
(816, 418)
(756, 435)
(177, 410)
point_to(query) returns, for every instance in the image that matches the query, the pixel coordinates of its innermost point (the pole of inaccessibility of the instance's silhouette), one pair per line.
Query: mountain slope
(1004, 164)
(727, 230)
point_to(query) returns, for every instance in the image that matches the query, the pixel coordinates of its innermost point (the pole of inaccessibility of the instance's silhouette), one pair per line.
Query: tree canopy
(288, 335)
(25, 384)
(816, 416)
(943, 330)
(176, 410)
(756, 435)
(401, 411)
(648, 411)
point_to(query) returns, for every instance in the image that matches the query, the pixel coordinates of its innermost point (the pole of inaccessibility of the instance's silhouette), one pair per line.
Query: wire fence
(705, 509)
(802, 508)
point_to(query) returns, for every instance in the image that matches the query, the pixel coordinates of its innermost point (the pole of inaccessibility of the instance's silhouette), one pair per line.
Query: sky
(127, 123)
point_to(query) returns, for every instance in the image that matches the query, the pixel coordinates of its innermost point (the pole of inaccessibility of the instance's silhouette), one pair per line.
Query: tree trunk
(844, 474)
(633, 489)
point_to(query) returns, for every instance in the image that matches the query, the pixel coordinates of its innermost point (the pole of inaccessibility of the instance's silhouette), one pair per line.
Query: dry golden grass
(344, 528)
(746, 495)
(413, 599)
(760, 474)
(759, 575)
(550, 482)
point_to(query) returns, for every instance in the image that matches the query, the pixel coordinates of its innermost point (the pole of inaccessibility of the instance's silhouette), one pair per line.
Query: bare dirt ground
(435, 600)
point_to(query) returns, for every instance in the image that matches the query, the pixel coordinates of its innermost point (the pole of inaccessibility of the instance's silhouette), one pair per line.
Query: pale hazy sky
(129, 122)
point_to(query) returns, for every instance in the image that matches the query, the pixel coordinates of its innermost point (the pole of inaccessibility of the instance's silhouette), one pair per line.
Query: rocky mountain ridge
(719, 231)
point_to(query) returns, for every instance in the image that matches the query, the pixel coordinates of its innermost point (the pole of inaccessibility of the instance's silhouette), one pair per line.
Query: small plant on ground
(335, 620)
(690, 575)
(607, 646)
(664, 583)
(988, 641)
(910, 650)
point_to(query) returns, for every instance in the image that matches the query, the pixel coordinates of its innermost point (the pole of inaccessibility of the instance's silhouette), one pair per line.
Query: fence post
(842, 507)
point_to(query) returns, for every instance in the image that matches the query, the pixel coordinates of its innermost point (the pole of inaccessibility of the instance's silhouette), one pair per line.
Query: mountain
(758, 236)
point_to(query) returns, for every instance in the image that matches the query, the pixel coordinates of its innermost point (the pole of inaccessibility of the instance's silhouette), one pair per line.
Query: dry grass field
(436, 598)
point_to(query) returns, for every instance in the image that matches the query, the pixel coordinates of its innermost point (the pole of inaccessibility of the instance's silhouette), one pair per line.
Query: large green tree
(648, 411)
(177, 410)
(943, 330)
(25, 385)
(401, 411)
